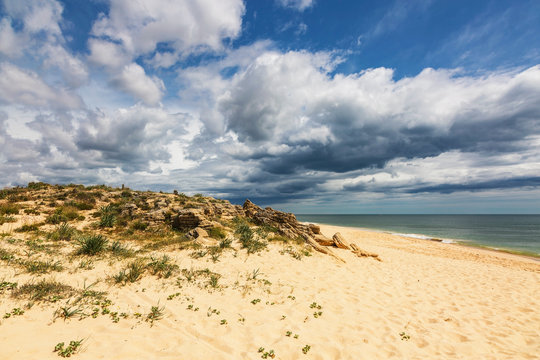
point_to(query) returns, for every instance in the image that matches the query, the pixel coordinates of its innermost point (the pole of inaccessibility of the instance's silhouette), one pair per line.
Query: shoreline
(461, 242)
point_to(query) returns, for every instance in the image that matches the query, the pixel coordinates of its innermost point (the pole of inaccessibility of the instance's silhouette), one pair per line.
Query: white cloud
(37, 15)
(300, 5)
(40, 38)
(183, 25)
(24, 87)
(74, 71)
(134, 29)
(11, 43)
(134, 81)
(108, 54)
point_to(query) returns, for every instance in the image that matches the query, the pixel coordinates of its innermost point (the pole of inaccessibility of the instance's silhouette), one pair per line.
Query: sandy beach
(424, 300)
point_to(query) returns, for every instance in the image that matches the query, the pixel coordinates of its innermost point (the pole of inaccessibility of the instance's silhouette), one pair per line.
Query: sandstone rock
(204, 241)
(159, 204)
(197, 233)
(129, 209)
(340, 241)
(361, 253)
(156, 215)
(187, 219)
(316, 229)
(323, 240)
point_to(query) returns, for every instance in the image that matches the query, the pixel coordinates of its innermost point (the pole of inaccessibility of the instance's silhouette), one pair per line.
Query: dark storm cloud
(512, 183)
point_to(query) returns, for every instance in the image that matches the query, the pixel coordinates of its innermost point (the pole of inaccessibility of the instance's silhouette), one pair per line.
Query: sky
(308, 106)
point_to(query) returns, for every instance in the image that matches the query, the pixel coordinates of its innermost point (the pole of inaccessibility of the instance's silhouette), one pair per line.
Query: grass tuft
(92, 244)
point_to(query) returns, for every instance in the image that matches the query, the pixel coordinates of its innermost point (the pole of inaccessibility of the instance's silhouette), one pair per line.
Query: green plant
(162, 267)
(198, 254)
(107, 216)
(92, 244)
(6, 285)
(155, 314)
(267, 354)
(71, 349)
(63, 214)
(225, 244)
(131, 273)
(248, 240)
(404, 336)
(43, 267)
(67, 312)
(119, 249)
(62, 232)
(253, 275)
(314, 305)
(217, 233)
(28, 228)
(9, 209)
(255, 301)
(107, 220)
(14, 312)
(139, 225)
(305, 349)
(223, 322)
(213, 281)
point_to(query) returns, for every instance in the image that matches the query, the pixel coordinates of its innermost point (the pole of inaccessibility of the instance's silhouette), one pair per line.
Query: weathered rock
(361, 253)
(187, 219)
(129, 209)
(156, 215)
(323, 240)
(340, 241)
(286, 224)
(197, 233)
(316, 229)
(204, 241)
(159, 204)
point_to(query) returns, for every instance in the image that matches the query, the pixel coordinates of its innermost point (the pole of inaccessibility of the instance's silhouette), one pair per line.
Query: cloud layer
(249, 121)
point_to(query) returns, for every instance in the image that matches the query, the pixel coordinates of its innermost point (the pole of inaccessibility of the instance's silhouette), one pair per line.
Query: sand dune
(425, 300)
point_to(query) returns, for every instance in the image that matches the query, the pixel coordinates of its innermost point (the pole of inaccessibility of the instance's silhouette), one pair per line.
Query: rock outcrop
(287, 225)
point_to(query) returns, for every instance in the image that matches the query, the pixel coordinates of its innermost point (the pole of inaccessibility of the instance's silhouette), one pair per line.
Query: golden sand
(425, 300)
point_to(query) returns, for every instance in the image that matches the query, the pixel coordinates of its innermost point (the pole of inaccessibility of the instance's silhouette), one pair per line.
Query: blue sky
(309, 106)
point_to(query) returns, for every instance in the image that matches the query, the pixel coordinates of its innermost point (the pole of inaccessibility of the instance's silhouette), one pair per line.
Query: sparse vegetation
(28, 228)
(107, 216)
(43, 290)
(7, 219)
(42, 267)
(92, 244)
(9, 209)
(247, 238)
(404, 336)
(63, 214)
(155, 314)
(217, 233)
(73, 347)
(131, 273)
(62, 232)
(121, 250)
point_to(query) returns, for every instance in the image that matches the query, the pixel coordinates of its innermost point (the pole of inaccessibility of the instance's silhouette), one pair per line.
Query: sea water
(519, 233)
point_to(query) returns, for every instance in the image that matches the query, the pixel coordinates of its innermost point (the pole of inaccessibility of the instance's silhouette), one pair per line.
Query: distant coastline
(517, 234)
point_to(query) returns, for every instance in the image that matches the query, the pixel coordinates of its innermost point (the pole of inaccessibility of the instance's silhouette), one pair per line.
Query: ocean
(516, 233)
